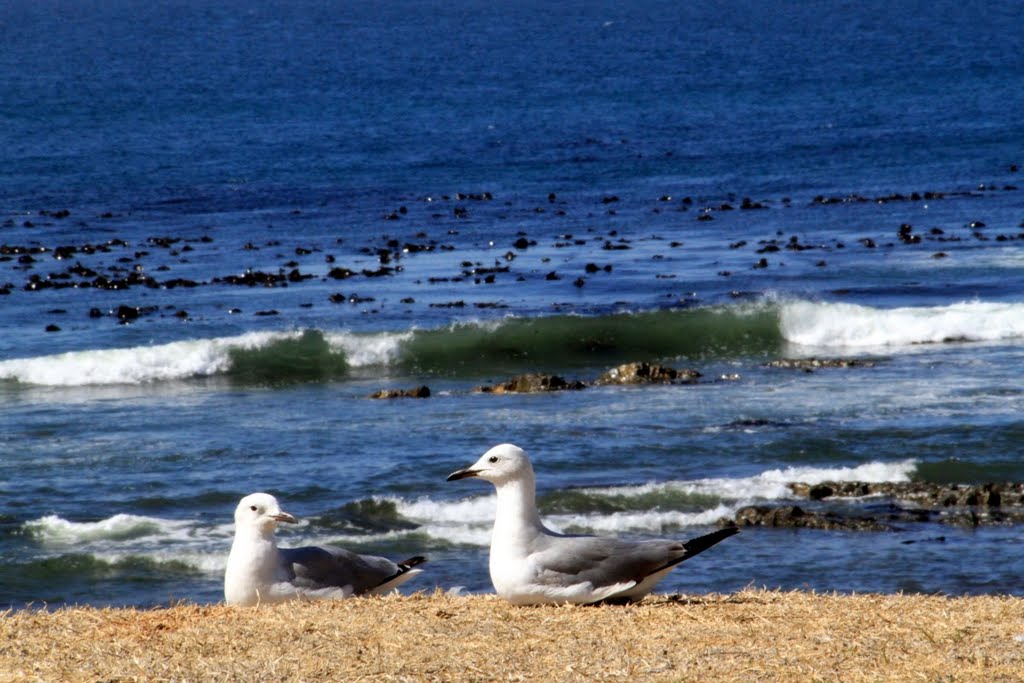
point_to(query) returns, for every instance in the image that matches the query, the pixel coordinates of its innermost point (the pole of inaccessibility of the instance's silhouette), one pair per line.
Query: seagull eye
(253, 508)
(493, 458)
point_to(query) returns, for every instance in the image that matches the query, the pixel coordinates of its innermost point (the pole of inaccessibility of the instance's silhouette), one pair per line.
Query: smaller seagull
(531, 564)
(260, 572)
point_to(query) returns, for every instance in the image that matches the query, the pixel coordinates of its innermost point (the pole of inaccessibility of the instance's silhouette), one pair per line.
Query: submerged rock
(812, 364)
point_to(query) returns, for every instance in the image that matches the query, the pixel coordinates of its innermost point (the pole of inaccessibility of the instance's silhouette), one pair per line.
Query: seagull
(260, 572)
(531, 564)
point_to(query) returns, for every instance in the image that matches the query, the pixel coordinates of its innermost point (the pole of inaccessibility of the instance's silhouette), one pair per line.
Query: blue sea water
(240, 219)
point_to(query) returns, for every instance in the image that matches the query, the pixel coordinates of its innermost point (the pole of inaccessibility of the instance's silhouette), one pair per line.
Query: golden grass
(748, 636)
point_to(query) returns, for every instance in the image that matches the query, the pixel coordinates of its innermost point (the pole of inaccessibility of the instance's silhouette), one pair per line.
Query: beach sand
(752, 635)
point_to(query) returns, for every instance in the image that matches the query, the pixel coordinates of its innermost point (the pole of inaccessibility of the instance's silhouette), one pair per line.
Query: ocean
(223, 226)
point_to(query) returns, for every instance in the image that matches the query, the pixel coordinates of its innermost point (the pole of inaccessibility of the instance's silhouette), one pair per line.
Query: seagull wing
(602, 562)
(610, 565)
(315, 568)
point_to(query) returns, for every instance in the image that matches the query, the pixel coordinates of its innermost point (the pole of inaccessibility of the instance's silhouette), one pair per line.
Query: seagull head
(501, 464)
(260, 511)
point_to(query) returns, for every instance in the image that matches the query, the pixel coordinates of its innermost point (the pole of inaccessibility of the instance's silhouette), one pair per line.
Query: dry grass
(749, 636)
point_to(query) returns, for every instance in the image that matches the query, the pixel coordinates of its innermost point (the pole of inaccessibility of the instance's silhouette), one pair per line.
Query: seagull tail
(406, 570)
(695, 546)
(406, 565)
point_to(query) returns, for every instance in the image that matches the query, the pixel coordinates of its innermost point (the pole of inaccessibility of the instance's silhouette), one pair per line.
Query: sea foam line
(184, 359)
(55, 530)
(853, 325)
(468, 521)
(138, 364)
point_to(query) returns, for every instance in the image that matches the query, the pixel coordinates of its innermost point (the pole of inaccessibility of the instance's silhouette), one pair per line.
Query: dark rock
(126, 313)
(812, 364)
(340, 273)
(968, 505)
(52, 328)
(180, 282)
(820, 491)
(380, 272)
(531, 383)
(647, 373)
(794, 516)
(418, 392)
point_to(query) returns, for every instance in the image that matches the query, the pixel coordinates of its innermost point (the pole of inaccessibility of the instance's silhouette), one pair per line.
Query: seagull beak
(463, 474)
(283, 517)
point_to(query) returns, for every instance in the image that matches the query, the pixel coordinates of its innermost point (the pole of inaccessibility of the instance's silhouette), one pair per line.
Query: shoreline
(749, 635)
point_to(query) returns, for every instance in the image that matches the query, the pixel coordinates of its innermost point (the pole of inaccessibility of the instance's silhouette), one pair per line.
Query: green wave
(51, 579)
(306, 358)
(591, 501)
(551, 343)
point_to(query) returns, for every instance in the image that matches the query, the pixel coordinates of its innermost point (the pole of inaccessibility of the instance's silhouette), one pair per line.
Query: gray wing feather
(607, 561)
(321, 567)
(604, 561)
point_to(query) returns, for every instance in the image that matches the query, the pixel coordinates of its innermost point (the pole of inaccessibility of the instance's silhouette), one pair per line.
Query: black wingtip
(406, 565)
(698, 545)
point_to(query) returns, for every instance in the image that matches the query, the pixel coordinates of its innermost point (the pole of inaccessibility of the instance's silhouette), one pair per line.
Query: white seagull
(531, 564)
(260, 572)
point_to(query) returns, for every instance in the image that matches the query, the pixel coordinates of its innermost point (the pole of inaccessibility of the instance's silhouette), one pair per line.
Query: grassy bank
(748, 636)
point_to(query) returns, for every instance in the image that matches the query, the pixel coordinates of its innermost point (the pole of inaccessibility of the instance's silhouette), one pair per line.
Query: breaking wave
(515, 344)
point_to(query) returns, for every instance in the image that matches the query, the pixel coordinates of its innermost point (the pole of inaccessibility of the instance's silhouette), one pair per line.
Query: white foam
(207, 563)
(185, 359)
(479, 507)
(469, 521)
(648, 521)
(135, 365)
(852, 325)
(54, 530)
(463, 522)
(363, 350)
(771, 484)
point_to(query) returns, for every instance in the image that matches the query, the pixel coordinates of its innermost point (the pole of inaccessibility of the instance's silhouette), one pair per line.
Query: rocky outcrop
(531, 383)
(923, 494)
(418, 392)
(812, 364)
(890, 506)
(796, 516)
(647, 373)
(629, 373)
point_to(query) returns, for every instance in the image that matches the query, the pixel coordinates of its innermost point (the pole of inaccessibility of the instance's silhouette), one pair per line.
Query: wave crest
(513, 345)
(853, 325)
